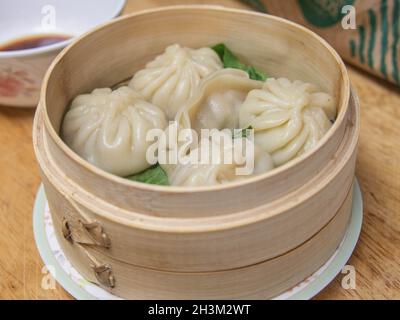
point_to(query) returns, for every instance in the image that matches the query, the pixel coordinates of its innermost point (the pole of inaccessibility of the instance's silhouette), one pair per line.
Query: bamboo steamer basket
(252, 239)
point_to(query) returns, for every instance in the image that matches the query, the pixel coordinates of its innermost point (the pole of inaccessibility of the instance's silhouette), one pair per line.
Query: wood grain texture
(376, 259)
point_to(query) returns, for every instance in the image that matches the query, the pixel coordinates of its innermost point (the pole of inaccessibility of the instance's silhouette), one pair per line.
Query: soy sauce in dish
(34, 41)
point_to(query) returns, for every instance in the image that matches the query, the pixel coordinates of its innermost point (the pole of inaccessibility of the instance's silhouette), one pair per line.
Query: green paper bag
(372, 45)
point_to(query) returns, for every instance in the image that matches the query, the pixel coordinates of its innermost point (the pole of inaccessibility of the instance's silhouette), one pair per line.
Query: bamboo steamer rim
(201, 224)
(342, 105)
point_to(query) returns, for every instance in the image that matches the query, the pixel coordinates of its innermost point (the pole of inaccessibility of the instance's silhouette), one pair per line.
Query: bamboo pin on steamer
(136, 240)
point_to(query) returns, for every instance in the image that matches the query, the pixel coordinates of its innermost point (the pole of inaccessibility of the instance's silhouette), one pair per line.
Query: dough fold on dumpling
(108, 129)
(171, 78)
(216, 103)
(218, 169)
(289, 118)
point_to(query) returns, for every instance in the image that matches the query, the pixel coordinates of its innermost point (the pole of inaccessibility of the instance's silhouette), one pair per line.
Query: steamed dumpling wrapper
(172, 78)
(218, 169)
(215, 173)
(108, 129)
(216, 103)
(289, 118)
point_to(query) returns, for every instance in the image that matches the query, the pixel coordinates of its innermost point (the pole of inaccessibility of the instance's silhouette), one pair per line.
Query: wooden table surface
(376, 258)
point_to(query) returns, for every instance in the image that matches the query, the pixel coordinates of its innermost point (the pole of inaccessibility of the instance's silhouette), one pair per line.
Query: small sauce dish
(33, 33)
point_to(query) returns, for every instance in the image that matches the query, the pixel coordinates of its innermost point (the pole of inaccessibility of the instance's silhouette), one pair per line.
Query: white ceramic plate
(80, 288)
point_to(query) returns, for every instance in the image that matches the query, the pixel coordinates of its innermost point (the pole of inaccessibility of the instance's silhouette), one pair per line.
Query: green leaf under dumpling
(231, 61)
(154, 175)
(242, 133)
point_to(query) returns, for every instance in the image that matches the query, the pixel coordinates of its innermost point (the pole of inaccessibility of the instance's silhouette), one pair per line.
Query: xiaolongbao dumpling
(171, 78)
(222, 164)
(289, 118)
(108, 129)
(216, 103)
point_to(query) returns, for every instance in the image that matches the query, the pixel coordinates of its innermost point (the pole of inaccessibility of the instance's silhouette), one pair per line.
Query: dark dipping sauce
(34, 41)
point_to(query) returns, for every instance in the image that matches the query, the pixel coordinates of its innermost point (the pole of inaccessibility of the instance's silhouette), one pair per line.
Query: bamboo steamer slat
(271, 231)
(260, 281)
(173, 250)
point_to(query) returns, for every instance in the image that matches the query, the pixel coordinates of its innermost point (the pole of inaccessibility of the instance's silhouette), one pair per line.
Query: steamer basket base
(70, 279)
